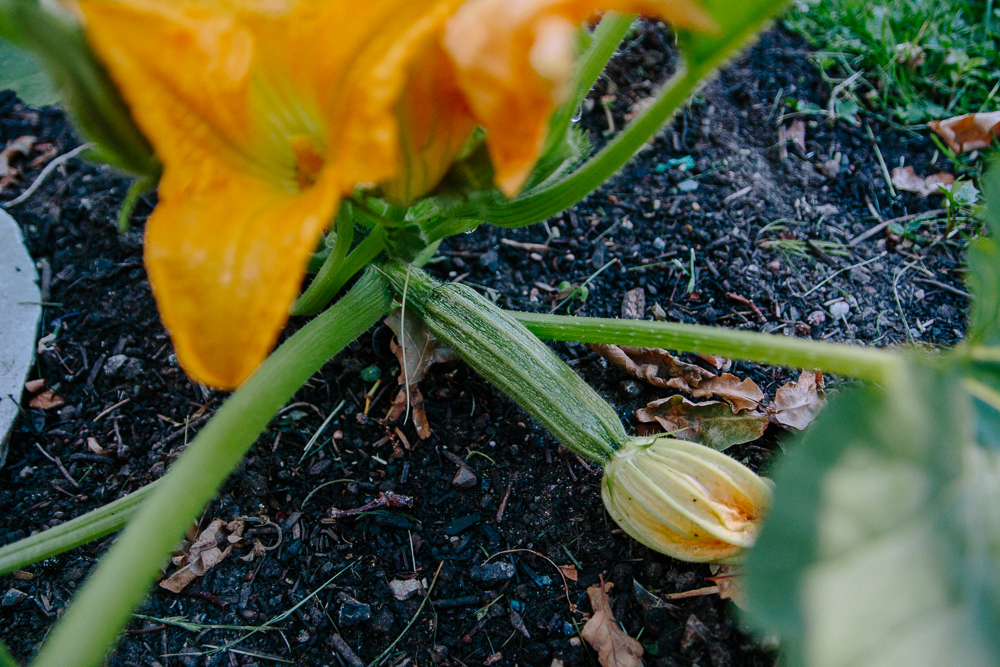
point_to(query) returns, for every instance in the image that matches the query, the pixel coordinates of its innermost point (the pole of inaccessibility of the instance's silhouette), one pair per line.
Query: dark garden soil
(767, 234)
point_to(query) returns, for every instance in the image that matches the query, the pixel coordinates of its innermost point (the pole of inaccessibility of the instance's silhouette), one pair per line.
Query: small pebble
(114, 365)
(816, 318)
(489, 575)
(659, 243)
(840, 309)
(12, 597)
(404, 589)
(352, 612)
(829, 168)
(464, 478)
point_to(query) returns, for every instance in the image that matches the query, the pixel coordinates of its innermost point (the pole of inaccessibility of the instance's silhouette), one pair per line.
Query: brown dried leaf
(712, 423)
(969, 132)
(47, 400)
(614, 647)
(730, 583)
(741, 394)
(422, 351)
(569, 571)
(717, 362)
(204, 553)
(653, 365)
(422, 348)
(904, 178)
(15, 147)
(797, 404)
(34, 386)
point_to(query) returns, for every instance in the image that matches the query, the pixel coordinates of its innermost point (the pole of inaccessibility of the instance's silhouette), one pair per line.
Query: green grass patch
(918, 60)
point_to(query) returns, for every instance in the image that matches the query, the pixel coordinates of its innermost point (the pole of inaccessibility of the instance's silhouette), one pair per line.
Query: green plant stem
(312, 301)
(86, 528)
(139, 187)
(604, 42)
(548, 201)
(104, 604)
(857, 362)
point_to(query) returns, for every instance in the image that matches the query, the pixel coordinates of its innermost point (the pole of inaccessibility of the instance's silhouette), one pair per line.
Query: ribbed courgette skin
(504, 352)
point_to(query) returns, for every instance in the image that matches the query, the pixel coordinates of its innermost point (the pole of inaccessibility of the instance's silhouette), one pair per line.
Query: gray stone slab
(20, 310)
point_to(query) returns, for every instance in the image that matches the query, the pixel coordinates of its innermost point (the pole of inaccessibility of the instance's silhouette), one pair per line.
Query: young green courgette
(504, 352)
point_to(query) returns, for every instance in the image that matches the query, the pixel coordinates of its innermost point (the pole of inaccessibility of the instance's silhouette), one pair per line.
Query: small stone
(352, 612)
(659, 314)
(383, 621)
(404, 589)
(634, 304)
(690, 185)
(840, 309)
(456, 526)
(320, 467)
(464, 478)
(490, 259)
(490, 575)
(114, 365)
(659, 243)
(12, 597)
(826, 209)
(132, 369)
(816, 318)
(829, 168)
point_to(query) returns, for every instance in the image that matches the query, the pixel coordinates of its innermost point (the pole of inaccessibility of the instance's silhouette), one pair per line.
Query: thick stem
(320, 290)
(513, 360)
(858, 362)
(86, 528)
(104, 605)
(315, 300)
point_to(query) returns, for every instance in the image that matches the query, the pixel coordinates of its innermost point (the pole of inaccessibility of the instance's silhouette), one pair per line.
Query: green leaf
(984, 270)
(23, 73)
(883, 544)
(6, 659)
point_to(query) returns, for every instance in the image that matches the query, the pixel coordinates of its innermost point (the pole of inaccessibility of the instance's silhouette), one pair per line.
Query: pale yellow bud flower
(684, 499)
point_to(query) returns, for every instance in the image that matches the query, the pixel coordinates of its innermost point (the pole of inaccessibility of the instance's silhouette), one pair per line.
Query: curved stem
(859, 362)
(366, 251)
(604, 42)
(544, 203)
(86, 528)
(315, 297)
(104, 604)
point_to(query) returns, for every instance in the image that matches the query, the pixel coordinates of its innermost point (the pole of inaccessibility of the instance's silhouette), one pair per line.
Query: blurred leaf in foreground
(883, 545)
(23, 73)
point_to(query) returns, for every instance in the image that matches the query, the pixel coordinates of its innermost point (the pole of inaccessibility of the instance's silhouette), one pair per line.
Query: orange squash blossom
(264, 113)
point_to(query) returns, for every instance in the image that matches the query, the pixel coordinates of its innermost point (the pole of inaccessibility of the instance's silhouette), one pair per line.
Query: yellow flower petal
(226, 255)
(515, 60)
(263, 112)
(435, 124)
